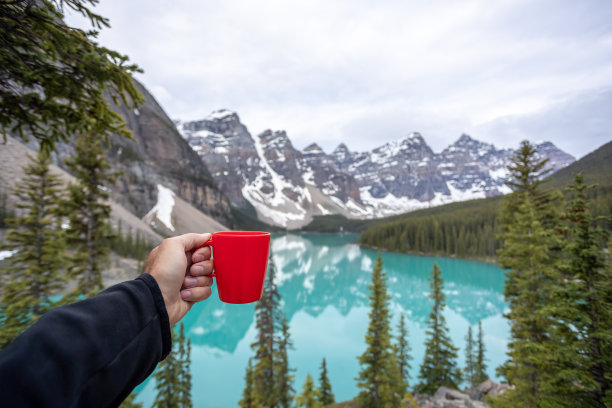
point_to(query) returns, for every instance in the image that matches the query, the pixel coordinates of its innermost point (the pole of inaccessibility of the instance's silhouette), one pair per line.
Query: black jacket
(88, 354)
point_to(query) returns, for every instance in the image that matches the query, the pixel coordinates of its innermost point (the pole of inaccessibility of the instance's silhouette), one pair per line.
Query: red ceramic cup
(240, 261)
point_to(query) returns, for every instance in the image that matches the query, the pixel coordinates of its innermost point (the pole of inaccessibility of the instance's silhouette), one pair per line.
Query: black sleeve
(88, 354)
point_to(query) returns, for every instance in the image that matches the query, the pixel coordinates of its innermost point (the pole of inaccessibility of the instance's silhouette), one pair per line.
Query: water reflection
(316, 271)
(323, 280)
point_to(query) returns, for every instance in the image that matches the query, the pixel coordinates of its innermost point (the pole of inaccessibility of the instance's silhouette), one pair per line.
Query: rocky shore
(469, 398)
(448, 398)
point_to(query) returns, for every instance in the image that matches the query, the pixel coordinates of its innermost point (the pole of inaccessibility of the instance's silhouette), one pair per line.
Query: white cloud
(365, 72)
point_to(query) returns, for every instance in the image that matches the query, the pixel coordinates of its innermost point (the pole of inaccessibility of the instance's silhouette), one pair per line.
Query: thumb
(193, 241)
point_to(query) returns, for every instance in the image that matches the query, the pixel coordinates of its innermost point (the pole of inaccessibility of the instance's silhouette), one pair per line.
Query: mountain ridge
(288, 187)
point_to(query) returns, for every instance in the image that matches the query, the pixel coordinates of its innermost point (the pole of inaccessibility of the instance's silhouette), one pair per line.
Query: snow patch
(499, 174)
(275, 206)
(220, 114)
(163, 209)
(323, 210)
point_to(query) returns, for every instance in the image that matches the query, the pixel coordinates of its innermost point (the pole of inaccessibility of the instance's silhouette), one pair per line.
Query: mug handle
(210, 244)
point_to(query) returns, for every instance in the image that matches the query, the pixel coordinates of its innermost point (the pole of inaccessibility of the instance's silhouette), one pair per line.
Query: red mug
(240, 261)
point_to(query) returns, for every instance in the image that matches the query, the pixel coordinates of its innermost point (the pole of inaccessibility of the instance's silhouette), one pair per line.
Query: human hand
(181, 269)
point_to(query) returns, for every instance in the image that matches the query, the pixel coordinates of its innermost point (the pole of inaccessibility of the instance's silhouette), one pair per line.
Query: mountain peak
(557, 157)
(545, 144)
(313, 148)
(269, 133)
(275, 138)
(414, 136)
(222, 115)
(464, 138)
(341, 148)
(412, 145)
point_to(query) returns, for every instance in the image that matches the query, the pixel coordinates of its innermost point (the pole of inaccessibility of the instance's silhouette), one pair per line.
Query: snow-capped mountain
(287, 186)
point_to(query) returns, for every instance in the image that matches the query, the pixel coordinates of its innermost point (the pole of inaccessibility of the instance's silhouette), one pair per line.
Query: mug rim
(241, 233)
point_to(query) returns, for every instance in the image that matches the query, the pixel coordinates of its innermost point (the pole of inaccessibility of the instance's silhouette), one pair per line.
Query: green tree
(480, 364)
(404, 357)
(88, 213)
(55, 79)
(528, 223)
(584, 356)
(130, 403)
(172, 379)
(184, 369)
(34, 272)
(309, 397)
(272, 378)
(379, 378)
(249, 397)
(439, 366)
(284, 378)
(326, 396)
(469, 372)
(266, 311)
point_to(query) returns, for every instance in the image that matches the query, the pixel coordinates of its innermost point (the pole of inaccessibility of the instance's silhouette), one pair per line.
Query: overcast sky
(364, 72)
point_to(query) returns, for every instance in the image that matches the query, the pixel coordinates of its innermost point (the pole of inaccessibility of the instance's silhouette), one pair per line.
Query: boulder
(449, 394)
(486, 386)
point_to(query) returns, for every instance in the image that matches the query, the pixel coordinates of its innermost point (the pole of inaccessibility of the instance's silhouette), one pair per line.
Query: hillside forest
(471, 228)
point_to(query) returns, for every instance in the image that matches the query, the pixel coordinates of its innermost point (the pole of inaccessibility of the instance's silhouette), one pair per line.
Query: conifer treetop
(54, 79)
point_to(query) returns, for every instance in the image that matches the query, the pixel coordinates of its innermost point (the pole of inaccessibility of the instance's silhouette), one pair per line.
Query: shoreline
(486, 259)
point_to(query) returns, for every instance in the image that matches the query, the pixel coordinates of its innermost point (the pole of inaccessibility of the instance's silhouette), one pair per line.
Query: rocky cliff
(157, 155)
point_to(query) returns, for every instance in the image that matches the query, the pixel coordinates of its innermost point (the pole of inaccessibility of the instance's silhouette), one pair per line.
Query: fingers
(201, 254)
(196, 294)
(201, 268)
(193, 241)
(192, 282)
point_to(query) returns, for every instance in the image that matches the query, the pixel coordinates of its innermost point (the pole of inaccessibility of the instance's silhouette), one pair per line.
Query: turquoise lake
(323, 280)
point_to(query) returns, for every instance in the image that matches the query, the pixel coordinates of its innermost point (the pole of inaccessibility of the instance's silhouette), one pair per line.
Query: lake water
(323, 280)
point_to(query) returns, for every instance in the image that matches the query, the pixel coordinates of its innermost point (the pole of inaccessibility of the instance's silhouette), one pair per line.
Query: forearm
(92, 353)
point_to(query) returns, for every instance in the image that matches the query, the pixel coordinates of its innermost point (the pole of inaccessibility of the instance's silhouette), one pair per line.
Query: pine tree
(480, 365)
(310, 396)
(184, 367)
(33, 273)
(249, 397)
(404, 357)
(267, 316)
(166, 382)
(172, 378)
(130, 403)
(379, 378)
(270, 382)
(583, 359)
(88, 213)
(284, 378)
(326, 396)
(439, 366)
(55, 79)
(528, 222)
(470, 359)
